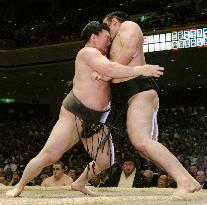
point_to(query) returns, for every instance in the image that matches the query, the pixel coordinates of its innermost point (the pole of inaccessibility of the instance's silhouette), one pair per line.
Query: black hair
(93, 27)
(119, 15)
(128, 158)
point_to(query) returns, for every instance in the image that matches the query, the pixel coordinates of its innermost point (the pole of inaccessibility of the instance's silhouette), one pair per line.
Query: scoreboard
(176, 39)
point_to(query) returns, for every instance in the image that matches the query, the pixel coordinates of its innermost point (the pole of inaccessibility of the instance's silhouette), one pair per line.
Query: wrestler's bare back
(93, 94)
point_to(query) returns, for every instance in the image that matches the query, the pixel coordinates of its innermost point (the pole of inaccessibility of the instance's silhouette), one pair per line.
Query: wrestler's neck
(115, 30)
(114, 35)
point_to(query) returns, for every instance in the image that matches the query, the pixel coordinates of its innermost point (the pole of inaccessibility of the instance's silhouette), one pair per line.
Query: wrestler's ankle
(185, 182)
(77, 184)
(19, 187)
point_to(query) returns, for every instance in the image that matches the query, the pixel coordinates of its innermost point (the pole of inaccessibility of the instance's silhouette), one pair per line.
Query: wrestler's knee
(141, 145)
(47, 158)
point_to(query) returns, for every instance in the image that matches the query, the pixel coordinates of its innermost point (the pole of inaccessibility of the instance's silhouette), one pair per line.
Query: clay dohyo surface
(115, 196)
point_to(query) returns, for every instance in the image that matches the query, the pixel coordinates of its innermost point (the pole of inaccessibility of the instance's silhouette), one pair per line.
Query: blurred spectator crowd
(55, 28)
(38, 31)
(174, 15)
(183, 130)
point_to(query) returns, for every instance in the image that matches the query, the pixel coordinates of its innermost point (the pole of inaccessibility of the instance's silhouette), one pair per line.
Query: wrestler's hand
(152, 70)
(97, 76)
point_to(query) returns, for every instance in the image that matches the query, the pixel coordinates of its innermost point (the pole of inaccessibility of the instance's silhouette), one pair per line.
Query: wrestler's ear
(93, 36)
(114, 21)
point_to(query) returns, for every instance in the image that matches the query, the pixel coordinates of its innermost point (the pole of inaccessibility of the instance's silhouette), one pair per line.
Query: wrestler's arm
(99, 63)
(131, 38)
(98, 76)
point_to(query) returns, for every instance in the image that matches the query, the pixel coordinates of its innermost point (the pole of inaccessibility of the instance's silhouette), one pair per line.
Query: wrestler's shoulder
(88, 50)
(129, 25)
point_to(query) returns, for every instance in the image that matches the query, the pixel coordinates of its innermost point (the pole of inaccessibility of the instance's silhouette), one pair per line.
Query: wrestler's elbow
(131, 50)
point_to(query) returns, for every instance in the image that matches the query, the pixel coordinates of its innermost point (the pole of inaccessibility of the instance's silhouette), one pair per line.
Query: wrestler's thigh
(140, 117)
(64, 134)
(100, 144)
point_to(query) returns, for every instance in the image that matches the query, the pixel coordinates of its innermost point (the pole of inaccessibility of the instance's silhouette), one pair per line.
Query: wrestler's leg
(102, 151)
(139, 125)
(63, 136)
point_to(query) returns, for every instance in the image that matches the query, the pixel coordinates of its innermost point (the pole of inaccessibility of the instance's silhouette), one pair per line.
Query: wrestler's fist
(97, 76)
(152, 70)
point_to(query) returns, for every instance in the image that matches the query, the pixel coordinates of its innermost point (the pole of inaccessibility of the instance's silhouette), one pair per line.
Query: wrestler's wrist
(139, 70)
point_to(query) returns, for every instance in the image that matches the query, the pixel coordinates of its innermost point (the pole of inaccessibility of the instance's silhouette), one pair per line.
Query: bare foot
(189, 185)
(76, 187)
(14, 192)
